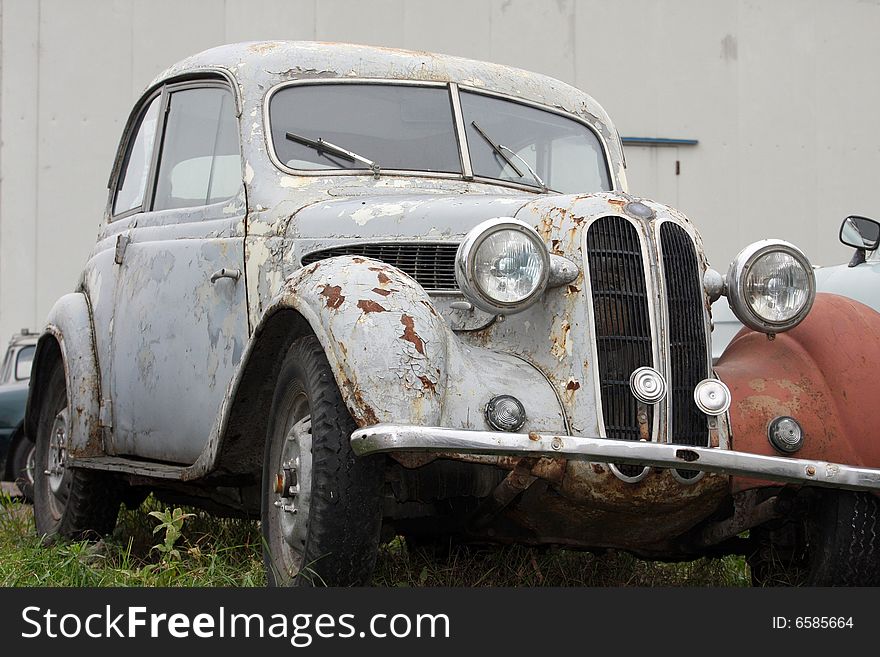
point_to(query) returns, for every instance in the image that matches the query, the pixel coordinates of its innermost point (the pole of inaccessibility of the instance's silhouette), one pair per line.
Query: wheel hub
(57, 456)
(292, 485)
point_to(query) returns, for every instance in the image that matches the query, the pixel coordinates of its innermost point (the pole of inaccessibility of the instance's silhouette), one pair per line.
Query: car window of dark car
(132, 183)
(199, 161)
(23, 362)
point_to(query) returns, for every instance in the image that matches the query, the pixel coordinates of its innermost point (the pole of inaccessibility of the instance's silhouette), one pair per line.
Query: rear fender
(68, 336)
(822, 373)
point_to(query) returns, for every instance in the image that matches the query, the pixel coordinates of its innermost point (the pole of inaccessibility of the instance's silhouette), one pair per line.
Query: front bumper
(401, 438)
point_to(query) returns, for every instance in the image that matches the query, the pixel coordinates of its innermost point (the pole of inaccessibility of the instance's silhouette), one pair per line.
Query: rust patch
(366, 410)
(534, 436)
(412, 460)
(428, 306)
(410, 335)
(598, 469)
(573, 289)
(573, 385)
(427, 384)
(370, 306)
(358, 260)
(616, 201)
(379, 290)
(383, 279)
(333, 296)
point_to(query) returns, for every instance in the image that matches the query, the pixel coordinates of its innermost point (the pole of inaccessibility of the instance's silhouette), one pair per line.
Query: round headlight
(502, 266)
(771, 286)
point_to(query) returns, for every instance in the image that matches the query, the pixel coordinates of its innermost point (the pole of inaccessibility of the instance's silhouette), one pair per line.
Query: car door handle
(234, 274)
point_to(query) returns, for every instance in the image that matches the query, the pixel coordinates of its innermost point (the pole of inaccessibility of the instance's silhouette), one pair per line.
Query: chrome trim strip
(401, 438)
(464, 152)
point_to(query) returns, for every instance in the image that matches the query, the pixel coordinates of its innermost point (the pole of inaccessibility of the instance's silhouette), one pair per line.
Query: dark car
(16, 450)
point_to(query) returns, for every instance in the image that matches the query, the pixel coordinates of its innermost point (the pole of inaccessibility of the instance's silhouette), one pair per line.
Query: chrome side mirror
(861, 233)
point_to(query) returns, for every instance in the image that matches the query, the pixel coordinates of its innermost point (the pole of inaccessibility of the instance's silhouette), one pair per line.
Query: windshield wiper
(531, 170)
(322, 146)
(497, 148)
(500, 148)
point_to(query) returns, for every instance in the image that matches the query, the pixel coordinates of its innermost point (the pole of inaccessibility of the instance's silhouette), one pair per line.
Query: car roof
(259, 65)
(23, 338)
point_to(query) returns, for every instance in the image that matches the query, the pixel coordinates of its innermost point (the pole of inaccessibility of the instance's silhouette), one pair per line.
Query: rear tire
(68, 502)
(321, 505)
(837, 544)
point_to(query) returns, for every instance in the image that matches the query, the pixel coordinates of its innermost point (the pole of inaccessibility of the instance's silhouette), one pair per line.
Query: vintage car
(364, 292)
(858, 279)
(16, 450)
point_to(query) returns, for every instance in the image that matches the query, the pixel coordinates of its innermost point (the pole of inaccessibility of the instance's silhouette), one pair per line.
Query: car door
(180, 312)
(129, 182)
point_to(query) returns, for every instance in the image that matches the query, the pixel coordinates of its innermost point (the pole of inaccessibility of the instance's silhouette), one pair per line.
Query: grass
(193, 548)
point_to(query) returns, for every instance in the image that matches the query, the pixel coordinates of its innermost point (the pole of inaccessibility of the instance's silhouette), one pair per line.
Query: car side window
(132, 183)
(23, 363)
(199, 162)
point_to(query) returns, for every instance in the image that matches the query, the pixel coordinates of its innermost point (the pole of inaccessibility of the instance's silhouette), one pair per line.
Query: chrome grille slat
(622, 324)
(687, 335)
(431, 265)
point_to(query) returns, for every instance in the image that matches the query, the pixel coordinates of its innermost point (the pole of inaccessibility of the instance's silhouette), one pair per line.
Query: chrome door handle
(234, 274)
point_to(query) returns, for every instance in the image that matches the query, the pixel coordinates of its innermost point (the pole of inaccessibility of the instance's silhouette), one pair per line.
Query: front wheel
(321, 505)
(835, 544)
(68, 502)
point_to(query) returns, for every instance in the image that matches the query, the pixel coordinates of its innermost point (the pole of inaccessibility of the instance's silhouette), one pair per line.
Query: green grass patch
(154, 545)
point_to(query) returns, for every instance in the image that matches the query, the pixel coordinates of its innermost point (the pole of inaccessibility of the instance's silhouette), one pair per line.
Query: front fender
(68, 335)
(394, 357)
(822, 373)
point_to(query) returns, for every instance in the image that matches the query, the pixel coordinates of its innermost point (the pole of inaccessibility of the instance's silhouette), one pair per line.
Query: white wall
(780, 93)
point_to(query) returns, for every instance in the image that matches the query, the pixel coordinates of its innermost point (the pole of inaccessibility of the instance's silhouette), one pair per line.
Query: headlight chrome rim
(465, 263)
(737, 276)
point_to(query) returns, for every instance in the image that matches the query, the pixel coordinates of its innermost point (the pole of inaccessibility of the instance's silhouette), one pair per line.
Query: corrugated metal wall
(781, 95)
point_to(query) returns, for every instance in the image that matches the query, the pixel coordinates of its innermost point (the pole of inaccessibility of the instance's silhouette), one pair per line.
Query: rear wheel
(68, 502)
(836, 544)
(321, 505)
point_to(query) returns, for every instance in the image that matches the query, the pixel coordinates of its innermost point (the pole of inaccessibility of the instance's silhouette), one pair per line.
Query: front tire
(836, 544)
(68, 502)
(321, 505)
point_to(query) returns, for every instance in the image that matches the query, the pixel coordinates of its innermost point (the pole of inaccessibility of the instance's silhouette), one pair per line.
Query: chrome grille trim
(688, 349)
(432, 265)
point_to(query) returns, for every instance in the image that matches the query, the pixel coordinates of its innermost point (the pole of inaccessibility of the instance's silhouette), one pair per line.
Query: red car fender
(822, 373)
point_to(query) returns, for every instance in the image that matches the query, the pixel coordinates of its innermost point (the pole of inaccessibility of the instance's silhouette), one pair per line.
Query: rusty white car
(363, 292)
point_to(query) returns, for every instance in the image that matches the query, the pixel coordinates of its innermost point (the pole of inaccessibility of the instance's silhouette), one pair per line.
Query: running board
(131, 466)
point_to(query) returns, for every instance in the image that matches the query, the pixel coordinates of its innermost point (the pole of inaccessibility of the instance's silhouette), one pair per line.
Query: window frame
(208, 78)
(168, 90)
(129, 135)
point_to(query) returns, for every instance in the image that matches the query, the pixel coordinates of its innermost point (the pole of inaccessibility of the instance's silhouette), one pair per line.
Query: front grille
(431, 265)
(687, 336)
(623, 328)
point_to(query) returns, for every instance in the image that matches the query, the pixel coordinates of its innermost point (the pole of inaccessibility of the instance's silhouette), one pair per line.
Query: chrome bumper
(401, 438)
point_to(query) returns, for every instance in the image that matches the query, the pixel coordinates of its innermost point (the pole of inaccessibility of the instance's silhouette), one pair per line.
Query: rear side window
(199, 162)
(132, 184)
(23, 363)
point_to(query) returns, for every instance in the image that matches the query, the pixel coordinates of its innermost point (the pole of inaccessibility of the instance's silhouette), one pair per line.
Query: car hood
(427, 216)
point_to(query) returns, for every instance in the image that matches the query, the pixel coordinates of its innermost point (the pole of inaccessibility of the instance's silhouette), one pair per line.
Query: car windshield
(385, 126)
(562, 153)
(395, 126)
